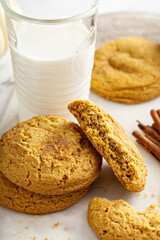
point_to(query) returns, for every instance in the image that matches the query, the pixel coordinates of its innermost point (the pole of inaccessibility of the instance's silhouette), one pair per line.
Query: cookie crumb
(152, 206)
(145, 195)
(26, 227)
(153, 195)
(20, 221)
(139, 193)
(19, 232)
(68, 238)
(55, 225)
(37, 216)
(14, 234)
(66, 228)
(46, 239)
(32, 222)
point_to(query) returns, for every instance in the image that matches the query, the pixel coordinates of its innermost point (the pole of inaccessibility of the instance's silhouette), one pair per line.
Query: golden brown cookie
(127, 70)
(116, 220)
(21, 200)
(111, 141)
(49, 155)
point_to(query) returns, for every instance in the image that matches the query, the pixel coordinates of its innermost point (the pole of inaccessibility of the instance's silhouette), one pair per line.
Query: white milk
(52, 66)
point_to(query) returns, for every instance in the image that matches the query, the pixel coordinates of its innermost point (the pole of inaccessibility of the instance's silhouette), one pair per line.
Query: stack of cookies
(46, 165)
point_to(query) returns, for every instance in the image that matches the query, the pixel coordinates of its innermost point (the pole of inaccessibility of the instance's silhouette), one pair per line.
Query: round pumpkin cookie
(127, 70)
(22, 200)
(115, 220)
(49, 155)
(111, 141)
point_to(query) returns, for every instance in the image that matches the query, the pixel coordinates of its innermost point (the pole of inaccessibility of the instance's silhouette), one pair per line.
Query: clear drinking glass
(52, 46)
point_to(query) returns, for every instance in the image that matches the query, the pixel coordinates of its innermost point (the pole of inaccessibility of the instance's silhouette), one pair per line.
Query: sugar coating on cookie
(49, 155)
(22, 200)
(118, 220)
(127, 70)
(111, 141)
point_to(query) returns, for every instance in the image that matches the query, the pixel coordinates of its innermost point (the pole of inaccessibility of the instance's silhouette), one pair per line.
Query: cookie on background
(49, 155)
(127, 70)
(110, 140)
(21, 200)
(115, 220)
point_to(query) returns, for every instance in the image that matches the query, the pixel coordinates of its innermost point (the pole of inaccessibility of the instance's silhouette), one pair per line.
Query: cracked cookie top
(118, 220)
(48, 155)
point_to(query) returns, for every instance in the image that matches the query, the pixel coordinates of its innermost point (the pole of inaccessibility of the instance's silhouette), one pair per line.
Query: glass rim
(91, 10)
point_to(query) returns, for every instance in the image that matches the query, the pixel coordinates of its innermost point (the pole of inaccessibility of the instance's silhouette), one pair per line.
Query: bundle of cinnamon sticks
(151, 140)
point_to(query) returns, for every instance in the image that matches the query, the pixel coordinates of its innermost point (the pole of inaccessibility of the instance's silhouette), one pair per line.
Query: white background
(129, 5)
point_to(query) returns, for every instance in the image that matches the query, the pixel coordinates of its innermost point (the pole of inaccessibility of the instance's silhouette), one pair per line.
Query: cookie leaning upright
(115, 220)
(127, 70)
(49, 155)
(111, 141)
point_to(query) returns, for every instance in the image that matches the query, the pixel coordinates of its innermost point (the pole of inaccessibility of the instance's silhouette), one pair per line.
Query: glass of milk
(52, 45)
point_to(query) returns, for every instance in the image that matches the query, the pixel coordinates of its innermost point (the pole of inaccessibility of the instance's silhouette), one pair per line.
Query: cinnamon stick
(149, 130)
(154, 126)
(139, 142)
(158, 111)
(151, 146)
(146, 148)
(153, 139)
(156, 118)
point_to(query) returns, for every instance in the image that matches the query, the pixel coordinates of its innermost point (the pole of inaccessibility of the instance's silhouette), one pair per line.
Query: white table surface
(129, 5)
(75, 217)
